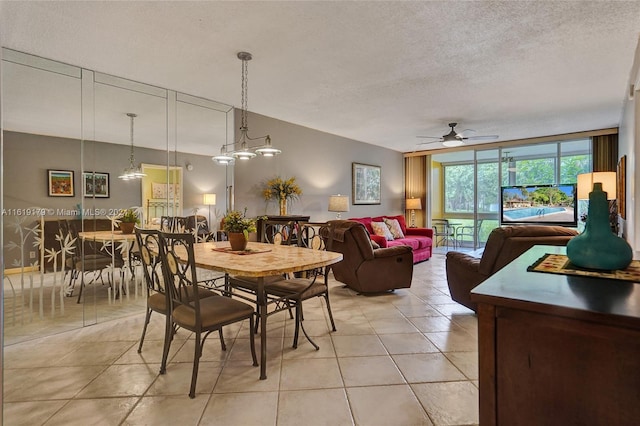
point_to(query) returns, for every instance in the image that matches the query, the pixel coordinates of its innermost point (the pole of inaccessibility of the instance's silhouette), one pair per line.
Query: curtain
(605, 153)
(415, 186)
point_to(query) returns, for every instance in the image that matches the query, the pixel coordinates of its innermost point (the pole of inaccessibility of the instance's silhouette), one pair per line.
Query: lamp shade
(586, 181)
(338, 203)
(209, 199)
(413, 204)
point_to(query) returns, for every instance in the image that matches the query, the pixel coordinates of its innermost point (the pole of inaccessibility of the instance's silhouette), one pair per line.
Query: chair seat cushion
(214, 311)
(158, 301)
(297, 288)
(251, 283)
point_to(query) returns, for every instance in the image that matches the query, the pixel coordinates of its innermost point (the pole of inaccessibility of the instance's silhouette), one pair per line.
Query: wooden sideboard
(557, 349)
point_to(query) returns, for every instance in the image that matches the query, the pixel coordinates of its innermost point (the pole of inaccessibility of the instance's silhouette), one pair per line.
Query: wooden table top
(107, 236)
(279, 259)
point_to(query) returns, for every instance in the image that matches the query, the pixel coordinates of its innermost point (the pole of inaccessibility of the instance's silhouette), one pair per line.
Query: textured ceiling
(378, 72)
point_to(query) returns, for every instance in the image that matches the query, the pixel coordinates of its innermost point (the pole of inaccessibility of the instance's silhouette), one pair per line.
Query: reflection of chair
(443, 232)
(467, 270)
(278, 232)
(362, 268)
(199, 227)
(84, 261)
(188, 310)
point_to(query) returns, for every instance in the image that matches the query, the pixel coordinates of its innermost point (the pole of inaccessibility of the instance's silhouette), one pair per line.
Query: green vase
(597, 247)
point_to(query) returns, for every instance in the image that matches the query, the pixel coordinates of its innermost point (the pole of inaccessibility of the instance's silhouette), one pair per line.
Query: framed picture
(622, 187)
(95, 184)
(60, 183)
(366, 184)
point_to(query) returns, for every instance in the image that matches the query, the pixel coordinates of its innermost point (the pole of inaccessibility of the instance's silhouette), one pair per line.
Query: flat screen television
(539, 205)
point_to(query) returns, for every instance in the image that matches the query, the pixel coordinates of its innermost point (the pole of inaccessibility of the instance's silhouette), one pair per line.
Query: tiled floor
(404, 358)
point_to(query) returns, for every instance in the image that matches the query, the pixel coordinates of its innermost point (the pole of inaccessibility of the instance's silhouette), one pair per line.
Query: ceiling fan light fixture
(452, 143)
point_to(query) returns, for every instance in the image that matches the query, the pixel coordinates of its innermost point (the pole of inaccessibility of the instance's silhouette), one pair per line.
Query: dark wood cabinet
(557, 349)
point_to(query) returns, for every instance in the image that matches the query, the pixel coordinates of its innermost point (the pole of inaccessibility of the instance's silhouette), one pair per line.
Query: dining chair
(188, 310)
(86, 258)
(285, 292)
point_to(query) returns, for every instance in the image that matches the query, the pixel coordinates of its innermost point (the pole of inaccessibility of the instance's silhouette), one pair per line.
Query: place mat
(240, 252)
(560, 264)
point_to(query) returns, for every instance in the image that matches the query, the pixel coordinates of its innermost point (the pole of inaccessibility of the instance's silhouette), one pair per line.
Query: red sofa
(419, 239)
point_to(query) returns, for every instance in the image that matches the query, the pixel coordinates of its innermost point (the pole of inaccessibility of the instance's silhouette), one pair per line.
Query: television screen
(539, 204)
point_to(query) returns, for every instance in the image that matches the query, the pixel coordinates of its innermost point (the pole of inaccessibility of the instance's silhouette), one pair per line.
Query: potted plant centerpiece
(282, 190)
(237, 226)
(127, 220)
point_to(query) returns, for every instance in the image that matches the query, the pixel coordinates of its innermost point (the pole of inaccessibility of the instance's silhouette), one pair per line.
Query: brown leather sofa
(467, 270)
(362, 268)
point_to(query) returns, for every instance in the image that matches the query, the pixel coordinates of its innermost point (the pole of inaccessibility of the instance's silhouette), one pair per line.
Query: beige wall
(321, 163)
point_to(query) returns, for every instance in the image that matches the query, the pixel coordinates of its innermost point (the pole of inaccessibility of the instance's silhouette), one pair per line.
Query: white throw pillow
(381, 228)
(394, 227)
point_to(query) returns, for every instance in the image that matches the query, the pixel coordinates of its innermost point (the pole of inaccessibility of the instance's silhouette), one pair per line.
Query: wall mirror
(61, 117)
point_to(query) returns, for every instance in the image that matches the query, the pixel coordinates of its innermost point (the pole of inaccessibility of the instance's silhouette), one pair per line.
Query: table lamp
(413, 204)
(209, 200)
(598, 247)
(338, 203)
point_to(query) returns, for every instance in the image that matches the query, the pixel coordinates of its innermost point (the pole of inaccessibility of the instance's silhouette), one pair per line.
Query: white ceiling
(379, 72)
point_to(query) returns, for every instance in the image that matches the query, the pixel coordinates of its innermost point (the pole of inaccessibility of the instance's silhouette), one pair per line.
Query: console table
(557, 349)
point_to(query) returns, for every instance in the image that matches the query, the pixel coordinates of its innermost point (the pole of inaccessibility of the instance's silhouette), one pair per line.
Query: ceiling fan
(454, 138)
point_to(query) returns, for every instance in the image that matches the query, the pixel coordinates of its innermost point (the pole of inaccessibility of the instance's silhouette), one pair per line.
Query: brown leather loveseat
(362, 268)
(466, 270)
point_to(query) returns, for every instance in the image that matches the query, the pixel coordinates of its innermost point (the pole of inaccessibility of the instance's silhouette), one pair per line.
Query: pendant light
(132, 172)
(245, 151)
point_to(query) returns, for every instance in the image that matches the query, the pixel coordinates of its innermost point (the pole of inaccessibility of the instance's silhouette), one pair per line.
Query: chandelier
(244, 150)
(132, 172)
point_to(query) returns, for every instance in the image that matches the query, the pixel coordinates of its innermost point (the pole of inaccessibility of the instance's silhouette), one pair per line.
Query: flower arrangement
(282, 189)
(237, 222)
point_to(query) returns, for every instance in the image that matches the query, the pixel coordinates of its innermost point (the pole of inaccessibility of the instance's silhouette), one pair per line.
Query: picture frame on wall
(366, 180)
(95, 184)
(60, 183)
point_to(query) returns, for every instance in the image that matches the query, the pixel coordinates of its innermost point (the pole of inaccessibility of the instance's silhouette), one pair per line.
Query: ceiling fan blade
(482, 138)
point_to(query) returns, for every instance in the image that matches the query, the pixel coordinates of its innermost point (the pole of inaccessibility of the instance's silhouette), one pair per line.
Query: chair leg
(196, 362)
(333, 324)
(168, 338)
(252, 342)
(222, 344)
(144, 328)
(297, 329)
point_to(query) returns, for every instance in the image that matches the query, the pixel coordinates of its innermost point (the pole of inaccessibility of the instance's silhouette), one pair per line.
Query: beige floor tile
(432, 324)
(400, 407)
(450, 403)
(353, 327)
(95, 353)
(365, 345)
(151, 352)
(422, 310)
(247, 378)
(392, 325)
(314, 327)
(306, 350)
(212, 351)
(30, 413)
(47, 383)
(86, 412)
(370, 371)
(433, 367)
(122, 380)
(177, 379)
(310, 374)
(410, 343)
(231, 409)
(167, 410)
(467, 362)
(313, 407)
(30, 354)
(454, 341)
(452, 308)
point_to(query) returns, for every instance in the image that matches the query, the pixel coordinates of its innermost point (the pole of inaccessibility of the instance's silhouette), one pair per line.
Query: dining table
(261, 260)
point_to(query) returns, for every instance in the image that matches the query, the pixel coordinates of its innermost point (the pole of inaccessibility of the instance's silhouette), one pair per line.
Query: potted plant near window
(127, 220)
(237, 226)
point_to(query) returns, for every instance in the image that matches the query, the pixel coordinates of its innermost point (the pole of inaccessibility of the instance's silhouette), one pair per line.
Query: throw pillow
(394, 227)
(381, 228)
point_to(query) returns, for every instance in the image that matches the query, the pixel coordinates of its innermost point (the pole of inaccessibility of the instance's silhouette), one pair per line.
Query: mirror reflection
(67, 139)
